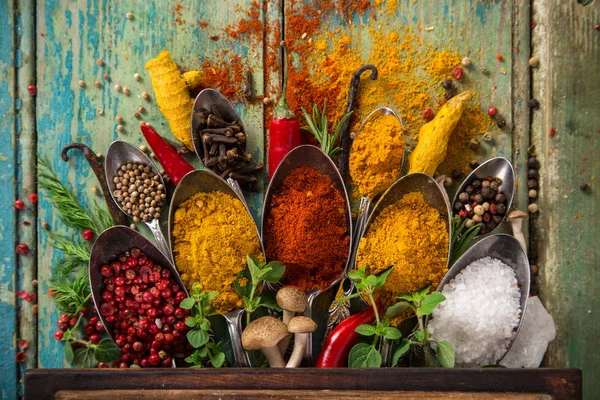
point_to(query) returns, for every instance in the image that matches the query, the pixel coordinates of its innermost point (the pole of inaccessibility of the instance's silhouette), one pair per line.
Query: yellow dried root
(172, 93)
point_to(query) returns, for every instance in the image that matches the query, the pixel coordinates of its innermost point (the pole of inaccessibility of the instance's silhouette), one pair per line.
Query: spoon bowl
(119, 153)
(107, 247)
(318, 301)
(497, 167)
(506, 249)
(203, 181)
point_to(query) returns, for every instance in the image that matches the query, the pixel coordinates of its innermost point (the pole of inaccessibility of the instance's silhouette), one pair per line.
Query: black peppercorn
(494, 185)
(474, 164)
(463, 197)
(533, 174)
(469, 189)
(532, 184)
(584, 186)
(497, 218)
(456, 173)
(501, 123)
(474, 144)
(532, 162)
(500, 198)
(476, 184)
(448, 95)
(500, 209)
(447, 84)
(458, 205)
(534, 103)
(487, 193)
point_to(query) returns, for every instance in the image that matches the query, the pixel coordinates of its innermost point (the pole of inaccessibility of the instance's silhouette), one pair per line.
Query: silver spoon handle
(161, 242)
(237, 189)
(234, 326)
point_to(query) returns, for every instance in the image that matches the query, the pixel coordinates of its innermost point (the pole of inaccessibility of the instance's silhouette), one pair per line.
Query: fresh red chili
(284, 128)
(337, 346)
(174, 164)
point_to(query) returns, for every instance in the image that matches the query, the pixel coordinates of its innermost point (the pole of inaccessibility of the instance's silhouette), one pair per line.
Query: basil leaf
(217, 360)
(187, 303)
(107, 351)
(365, 330)
(402, 350)
(381, 278)
(430, 302)
(391, 333)
(276, 272)
(397, 309)
(190, 321)
(84, 358)
(68, 352)
(205, 324)
(445, 354)
(197, 337)
(364, 355)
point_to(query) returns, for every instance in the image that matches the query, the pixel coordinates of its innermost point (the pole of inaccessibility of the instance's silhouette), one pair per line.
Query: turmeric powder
(376, 155)
(172, 92)
(212, 235)
(411, 236)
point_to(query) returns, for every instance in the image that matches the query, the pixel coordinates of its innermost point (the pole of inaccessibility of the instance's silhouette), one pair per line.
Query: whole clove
(209, 138)
(215, 122)
(242, 178)
(219, 131)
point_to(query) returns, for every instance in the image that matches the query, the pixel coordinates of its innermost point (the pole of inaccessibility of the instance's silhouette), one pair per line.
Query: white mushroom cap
(302, 325)
(292, 299)
(263, 333)
(516, 214)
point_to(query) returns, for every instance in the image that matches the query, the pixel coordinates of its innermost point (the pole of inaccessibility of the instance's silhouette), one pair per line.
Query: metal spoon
(318, 301)
(433, 193)
(120, 153)
(204, 103)
(109, 245)
(339, 311)
(202, 181)
(506, 249)
(498, 167)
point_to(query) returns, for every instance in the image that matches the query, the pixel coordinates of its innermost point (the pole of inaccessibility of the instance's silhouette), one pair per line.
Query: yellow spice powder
(412, 236)
(376, 155)
(212, 234)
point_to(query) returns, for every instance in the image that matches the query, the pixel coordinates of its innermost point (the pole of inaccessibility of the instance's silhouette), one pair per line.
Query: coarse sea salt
(481, 311)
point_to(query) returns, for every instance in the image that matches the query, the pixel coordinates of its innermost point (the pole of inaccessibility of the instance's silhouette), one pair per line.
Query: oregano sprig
(90, 354)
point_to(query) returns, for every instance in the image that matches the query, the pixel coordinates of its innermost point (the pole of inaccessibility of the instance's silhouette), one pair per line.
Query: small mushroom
(301, 327)
(516, 217)
(264, 334)
(292, 301)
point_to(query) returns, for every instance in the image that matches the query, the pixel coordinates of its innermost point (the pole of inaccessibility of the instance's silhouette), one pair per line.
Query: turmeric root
(172, 92)
(431, 148)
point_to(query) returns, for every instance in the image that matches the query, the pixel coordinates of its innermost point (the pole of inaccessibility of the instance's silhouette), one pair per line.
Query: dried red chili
(307, 230)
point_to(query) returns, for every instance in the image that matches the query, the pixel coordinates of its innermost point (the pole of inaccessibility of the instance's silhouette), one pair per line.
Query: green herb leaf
(267, 300)
(371, 280)
(445, 354)
(357, 274)
(364, 355)
(430, 360)
(365, 330)
(190, 321)
(405, 297)
(254, 267)
(217, 360)
(107, 351)
(243, 291)
(205, 325)
(69, 352)
(276, 272)
(391, 333)
(187, 303)
(423, 292)
(419, 335)
(397, 309)
(346, 298)
(429, 303)
(400, 351)
(197, 337)
(84, 358)
(382, 277)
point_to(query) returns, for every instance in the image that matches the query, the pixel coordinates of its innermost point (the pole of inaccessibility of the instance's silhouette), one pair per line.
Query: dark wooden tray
(305, 383)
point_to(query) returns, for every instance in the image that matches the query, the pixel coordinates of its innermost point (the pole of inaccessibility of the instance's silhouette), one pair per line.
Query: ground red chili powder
(307, 230)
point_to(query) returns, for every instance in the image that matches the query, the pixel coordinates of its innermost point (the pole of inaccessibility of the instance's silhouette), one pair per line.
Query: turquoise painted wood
(55, 44)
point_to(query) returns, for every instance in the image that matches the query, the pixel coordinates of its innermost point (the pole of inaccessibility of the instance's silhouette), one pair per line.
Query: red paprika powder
(307, 230)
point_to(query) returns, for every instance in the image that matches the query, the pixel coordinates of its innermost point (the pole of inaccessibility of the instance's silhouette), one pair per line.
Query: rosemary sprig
(103, 219)
(74, 250)
(70, 296)
(62, 199)
(318, 126)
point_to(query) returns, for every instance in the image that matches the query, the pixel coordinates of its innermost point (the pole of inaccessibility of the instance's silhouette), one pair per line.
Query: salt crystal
(537, 331)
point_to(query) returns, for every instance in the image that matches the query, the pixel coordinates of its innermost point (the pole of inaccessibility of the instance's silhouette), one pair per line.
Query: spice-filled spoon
(486, 195)
(388, 171)
(206, 182)
(219, 138)
(509, 251)
(104, 258)
(434, 197)
(321, 167)
(137, 187)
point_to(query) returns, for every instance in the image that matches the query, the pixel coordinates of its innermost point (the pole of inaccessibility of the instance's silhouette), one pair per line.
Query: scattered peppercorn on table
(81, 72)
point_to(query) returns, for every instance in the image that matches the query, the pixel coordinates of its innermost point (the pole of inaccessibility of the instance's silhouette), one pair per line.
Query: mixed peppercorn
(482, 203)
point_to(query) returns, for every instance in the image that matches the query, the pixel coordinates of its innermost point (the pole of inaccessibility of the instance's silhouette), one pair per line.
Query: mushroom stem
(298, 352)
(517, 228)
(273, 357)
(285, 342)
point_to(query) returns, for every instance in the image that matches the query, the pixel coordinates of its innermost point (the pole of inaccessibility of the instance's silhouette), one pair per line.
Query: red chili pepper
(174, 164)
(284, 129)
(337, 346)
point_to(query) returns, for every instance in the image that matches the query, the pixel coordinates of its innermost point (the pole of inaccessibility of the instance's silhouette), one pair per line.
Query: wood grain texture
(563, 384)
(565, 232)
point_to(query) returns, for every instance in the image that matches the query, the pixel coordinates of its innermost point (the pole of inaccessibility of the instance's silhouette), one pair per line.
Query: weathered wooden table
(53, 44)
